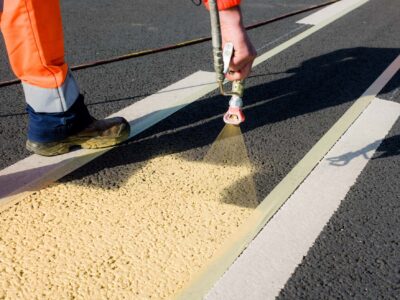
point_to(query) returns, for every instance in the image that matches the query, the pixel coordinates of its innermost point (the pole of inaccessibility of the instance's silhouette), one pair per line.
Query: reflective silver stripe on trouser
(52, 100)
(1, 5)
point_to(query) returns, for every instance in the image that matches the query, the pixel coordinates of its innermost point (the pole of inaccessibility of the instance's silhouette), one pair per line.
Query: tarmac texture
(146, 216)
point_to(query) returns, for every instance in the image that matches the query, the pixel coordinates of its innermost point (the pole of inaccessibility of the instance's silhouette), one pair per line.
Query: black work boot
(56, 133)
(99, 134)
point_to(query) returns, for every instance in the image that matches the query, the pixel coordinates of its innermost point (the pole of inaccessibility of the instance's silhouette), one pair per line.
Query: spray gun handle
(237, 85)
(238, 88)
(222, 58)
(227, 54)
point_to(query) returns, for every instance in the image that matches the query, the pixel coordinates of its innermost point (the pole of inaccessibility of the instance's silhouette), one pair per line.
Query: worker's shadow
(386, 148)
(334, 79)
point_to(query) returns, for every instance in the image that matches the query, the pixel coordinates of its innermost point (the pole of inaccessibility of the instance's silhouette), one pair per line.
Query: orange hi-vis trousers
(224, 4)
(32, 31)
(33, 35)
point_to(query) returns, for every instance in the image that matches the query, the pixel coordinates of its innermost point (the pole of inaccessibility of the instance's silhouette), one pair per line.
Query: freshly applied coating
(143, 238)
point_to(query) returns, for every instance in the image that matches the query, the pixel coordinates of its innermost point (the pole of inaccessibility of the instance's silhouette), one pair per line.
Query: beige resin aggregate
(143, 238)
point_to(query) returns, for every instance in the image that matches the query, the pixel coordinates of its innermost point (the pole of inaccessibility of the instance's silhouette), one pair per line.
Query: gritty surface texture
(142, 238)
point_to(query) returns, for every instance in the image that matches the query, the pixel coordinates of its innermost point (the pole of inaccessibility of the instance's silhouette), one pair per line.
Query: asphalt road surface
(301, 93)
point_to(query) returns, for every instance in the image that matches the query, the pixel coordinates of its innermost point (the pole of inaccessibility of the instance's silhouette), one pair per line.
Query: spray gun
(234, 115)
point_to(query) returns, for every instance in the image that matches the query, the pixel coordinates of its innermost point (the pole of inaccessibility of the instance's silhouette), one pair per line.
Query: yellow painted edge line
(208, 275)
(260, 257)
(205, 279)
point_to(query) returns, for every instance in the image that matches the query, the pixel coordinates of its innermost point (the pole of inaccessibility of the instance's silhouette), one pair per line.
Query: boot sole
(85, 143)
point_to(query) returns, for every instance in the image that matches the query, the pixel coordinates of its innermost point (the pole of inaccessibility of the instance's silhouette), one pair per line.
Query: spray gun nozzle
(234, 115)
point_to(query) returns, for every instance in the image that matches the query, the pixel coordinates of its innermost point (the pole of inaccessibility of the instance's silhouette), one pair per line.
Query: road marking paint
(35, 172)
(222, 260)
(140, 231)
(271, 258)
(331, 10)
(305, 34)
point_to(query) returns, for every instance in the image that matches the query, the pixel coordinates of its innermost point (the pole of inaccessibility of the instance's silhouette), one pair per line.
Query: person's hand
(233, 31)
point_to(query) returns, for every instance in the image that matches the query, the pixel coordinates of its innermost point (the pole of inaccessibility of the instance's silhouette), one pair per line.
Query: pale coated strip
(260, 59)
(329, 11)
(271, 258)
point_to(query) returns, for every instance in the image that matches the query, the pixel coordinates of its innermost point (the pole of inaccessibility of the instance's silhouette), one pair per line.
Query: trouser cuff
(52, 100)
(54, 127)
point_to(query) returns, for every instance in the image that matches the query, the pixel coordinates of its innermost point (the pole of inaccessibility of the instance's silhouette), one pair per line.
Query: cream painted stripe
(36, 171)
(221, 261)
(271, 258)
(330, 11)
(305, 34)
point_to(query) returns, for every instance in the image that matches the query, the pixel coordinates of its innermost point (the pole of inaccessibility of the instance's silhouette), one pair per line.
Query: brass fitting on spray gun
(234, 115)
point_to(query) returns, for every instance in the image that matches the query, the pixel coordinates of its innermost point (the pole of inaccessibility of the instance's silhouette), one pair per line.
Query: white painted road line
(323, 22)
(265, 266)
(330, 11)
(36, 171)
(221, 261)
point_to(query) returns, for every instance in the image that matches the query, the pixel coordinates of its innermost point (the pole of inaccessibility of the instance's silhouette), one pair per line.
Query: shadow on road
(333, 79)
(386, 148)
(344, 159)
